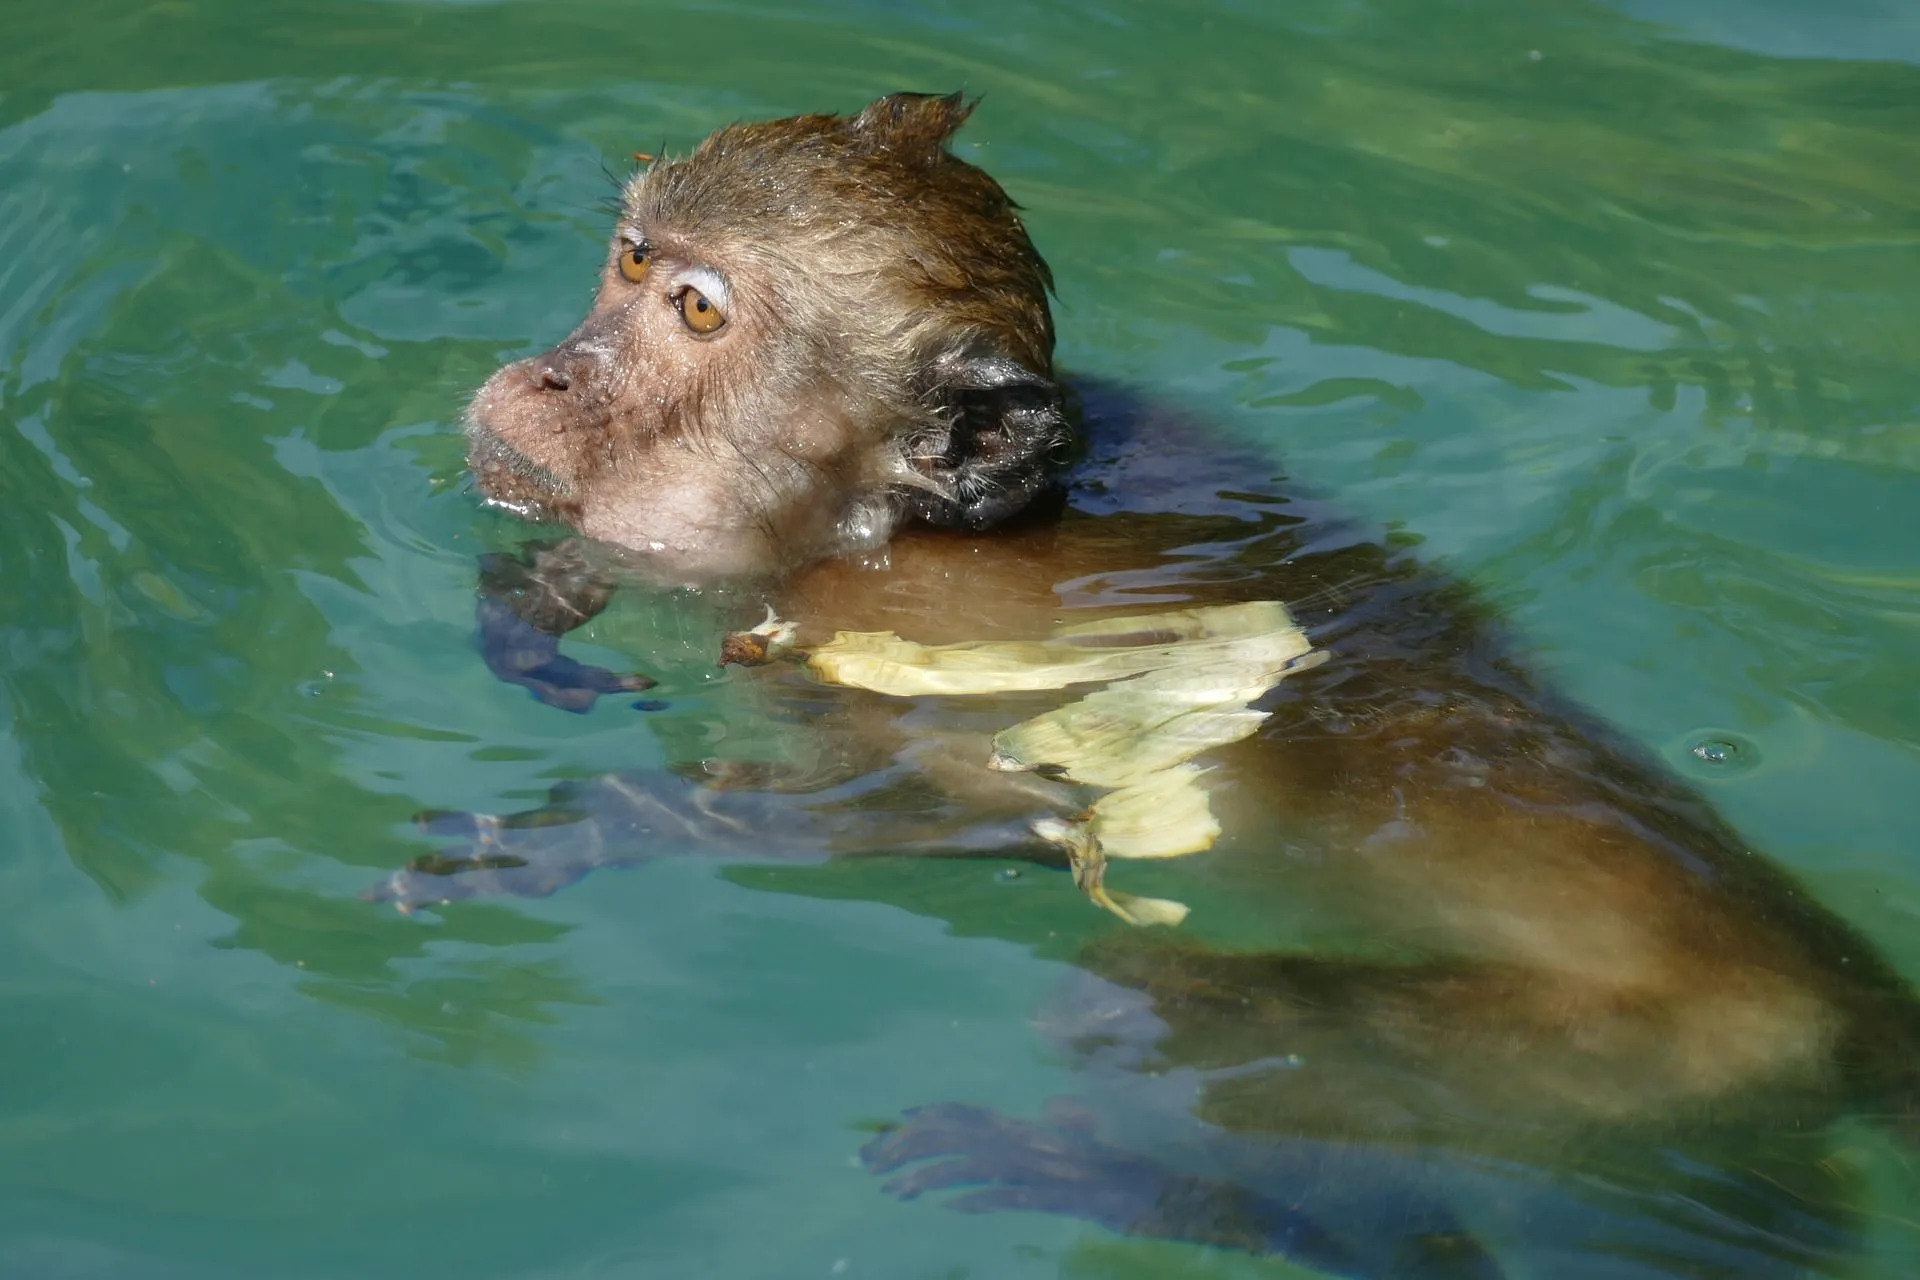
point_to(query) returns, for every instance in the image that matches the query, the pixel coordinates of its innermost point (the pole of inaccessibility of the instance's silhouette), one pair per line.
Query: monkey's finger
(551, 815)
(1110, 1207)
(458, 824)
(1002, 1163)
(913, 1141)
(989, 1170)
(491, 828)
(959, 1128)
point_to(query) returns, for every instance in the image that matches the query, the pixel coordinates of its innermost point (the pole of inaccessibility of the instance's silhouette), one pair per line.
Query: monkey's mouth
(510, 480)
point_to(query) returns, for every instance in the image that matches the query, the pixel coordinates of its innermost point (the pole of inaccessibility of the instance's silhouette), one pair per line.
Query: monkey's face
(805, 332)
(674, 420)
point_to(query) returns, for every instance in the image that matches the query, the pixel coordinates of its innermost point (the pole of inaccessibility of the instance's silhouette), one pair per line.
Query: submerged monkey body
(1558, 901)
(1574, 948)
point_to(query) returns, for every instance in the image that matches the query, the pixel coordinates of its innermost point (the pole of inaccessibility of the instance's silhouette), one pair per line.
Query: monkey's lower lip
(510, 479)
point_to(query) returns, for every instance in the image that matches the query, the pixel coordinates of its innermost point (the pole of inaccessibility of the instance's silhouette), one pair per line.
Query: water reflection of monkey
(820, 359)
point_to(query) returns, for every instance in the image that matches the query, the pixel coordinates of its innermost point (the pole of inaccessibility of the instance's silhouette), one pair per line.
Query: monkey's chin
(513, 482)
(686, 554)
(676, 534)
(530, 510)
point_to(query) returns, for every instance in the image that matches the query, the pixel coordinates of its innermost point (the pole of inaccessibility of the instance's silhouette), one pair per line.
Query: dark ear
(1009, 439)
(914, 121)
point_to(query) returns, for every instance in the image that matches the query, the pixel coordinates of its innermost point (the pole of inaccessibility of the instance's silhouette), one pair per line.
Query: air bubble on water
(1007, 875)
(1717, 753)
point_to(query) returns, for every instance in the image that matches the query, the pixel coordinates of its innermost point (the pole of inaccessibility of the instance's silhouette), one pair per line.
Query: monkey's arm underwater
(628, 820)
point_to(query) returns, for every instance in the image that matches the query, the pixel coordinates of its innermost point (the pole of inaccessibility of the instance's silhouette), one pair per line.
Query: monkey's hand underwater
(527, 601)
(1061, 1166)
(1177, 683)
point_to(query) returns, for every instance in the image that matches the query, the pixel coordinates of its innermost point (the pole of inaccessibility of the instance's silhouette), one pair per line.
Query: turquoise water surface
(1614, 307)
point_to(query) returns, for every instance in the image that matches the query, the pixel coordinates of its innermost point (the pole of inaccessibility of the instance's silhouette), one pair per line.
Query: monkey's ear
(915, 121)
(1008, 439)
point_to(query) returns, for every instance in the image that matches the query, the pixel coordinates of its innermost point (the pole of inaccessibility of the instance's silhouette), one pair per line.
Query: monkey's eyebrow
(706, 281)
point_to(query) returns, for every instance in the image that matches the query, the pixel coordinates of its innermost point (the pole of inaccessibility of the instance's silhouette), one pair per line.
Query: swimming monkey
(820, 361)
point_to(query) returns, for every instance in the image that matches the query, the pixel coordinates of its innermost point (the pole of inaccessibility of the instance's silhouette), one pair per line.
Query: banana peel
(1101, 651)
(1176, 683)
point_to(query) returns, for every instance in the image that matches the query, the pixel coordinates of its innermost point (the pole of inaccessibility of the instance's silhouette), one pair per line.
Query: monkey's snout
(564, 368)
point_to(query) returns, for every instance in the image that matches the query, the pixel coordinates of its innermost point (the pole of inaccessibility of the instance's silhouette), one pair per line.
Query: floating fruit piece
(1181, 682)
(1102, 650)
(759, 645)
(1119, 736)
(1164, 816)
(1089, 864)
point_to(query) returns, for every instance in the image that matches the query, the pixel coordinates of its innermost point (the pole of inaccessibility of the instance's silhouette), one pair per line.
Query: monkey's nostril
(553, 378)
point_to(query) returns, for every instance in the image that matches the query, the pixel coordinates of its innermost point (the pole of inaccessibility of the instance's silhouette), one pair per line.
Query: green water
(1621, 319)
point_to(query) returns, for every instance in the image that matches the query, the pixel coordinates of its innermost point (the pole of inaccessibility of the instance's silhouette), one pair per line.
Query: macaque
(819, 364)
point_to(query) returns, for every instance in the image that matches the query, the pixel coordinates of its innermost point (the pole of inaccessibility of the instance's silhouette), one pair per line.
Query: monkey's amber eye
(699, 311)
(634, 261)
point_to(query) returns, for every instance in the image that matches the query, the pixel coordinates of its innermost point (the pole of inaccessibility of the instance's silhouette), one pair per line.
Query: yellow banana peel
(1178, 683)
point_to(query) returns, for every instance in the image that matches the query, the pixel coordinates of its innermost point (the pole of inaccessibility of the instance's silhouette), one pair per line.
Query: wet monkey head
(806, 332)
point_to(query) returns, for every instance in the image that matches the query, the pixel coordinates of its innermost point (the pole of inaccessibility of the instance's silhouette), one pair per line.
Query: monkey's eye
(634, 261)
(700, 312)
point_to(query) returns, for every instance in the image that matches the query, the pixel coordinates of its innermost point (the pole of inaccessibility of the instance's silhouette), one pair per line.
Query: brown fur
(1582, 940)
